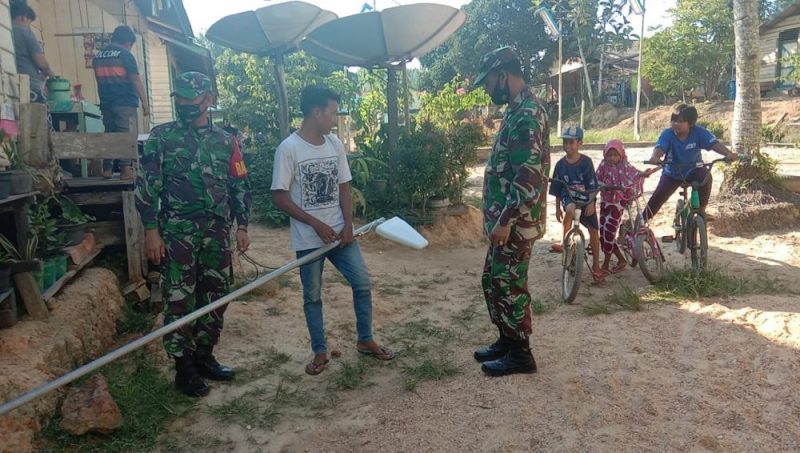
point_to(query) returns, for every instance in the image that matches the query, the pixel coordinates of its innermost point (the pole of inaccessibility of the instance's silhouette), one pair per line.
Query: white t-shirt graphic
(312, 174)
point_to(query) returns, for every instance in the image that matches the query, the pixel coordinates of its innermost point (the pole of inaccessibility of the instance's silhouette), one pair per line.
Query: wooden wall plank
(74, 145)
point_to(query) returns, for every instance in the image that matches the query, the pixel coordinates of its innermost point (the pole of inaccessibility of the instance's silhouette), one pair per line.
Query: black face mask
(500, 95)
(187, 113)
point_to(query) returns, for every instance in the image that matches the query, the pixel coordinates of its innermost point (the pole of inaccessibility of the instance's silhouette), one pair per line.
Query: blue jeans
(351, 265)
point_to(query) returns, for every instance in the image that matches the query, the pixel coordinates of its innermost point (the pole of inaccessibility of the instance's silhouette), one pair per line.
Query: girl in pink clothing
(616, 170)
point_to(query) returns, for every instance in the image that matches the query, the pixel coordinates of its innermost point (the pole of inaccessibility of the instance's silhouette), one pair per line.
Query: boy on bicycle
(573, 177)
(682, 144)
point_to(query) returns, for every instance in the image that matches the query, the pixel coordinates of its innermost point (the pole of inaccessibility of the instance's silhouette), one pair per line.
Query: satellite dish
(385, 38)
(271, 31)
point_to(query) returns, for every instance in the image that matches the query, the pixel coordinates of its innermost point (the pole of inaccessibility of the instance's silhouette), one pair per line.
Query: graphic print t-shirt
(112, 68)
(312, 174)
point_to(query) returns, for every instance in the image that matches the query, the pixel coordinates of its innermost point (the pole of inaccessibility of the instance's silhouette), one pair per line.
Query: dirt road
(691, 375)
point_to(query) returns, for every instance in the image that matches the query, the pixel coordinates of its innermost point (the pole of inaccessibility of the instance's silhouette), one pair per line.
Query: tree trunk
(746, 132)
(746, 128)
(586, 75)
(600, 76)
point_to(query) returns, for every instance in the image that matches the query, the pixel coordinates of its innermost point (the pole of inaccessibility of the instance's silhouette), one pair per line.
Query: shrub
(260, 169)
(715, 127)
(772, 134)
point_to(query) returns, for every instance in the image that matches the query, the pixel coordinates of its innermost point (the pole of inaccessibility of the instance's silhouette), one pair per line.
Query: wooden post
(134, 238)
(31, 296)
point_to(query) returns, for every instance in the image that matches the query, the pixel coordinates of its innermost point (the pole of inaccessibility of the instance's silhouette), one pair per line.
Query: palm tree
(746, 129)
(746, 132)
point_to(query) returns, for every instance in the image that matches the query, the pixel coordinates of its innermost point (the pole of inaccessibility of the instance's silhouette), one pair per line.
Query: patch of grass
(711, 282)
(392, 289)
(424, 329)
(350, 376)
(623, 298)
(269, 362)
(288, 281)
(427, 283)
(540, 307)
(133, 320)
(147, 400)
(475, 202)
(428, 370)
(335, 278)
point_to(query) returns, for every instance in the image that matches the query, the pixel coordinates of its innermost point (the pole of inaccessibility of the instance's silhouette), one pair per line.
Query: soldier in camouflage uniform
(514, 205)
(191, 185)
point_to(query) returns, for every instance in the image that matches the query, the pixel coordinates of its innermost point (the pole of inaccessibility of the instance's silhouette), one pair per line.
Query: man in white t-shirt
(311, 183)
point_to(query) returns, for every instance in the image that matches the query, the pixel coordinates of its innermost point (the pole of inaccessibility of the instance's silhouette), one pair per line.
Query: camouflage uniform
(191, 187)
(514, 193)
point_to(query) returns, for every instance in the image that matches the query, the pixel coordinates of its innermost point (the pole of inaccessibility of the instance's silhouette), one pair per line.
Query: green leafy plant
(364, 168)
(452, 104)
(71, 213)
(43, 227)
(772, 134)
(261, 170)
(11, 253)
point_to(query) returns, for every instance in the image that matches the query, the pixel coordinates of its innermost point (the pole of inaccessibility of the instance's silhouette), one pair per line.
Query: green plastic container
(61, 266)
(59, 90)
(49, 273)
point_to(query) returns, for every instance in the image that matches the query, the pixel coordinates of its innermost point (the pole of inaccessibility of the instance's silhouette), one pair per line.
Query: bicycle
(636, 240)
(689, 223)
(574, 247)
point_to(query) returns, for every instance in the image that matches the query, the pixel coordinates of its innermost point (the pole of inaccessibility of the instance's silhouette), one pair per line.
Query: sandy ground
(694, 375)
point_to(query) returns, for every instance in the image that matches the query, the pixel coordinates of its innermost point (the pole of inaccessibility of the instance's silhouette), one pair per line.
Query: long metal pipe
(156, 334)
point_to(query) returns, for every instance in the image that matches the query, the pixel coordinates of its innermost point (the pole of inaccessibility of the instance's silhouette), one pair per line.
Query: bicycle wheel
(680, 226)
(650, 260)
(572, 261)
(698, 243)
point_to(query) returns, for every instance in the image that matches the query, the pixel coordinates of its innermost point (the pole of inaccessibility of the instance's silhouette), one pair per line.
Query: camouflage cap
(493, 60)
(190, 85)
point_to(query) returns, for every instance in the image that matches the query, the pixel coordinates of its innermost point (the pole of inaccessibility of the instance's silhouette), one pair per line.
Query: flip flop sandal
(314, 368)
(556, 248)
(619, 268)
(384, 354)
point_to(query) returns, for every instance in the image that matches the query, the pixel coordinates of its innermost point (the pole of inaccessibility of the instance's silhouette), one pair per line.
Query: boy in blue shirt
(681, 145)
(577, 171)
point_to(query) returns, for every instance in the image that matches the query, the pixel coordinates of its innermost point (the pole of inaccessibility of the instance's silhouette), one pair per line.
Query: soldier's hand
(242, 240)
(154, 246)
(326, 233)
(500, 234)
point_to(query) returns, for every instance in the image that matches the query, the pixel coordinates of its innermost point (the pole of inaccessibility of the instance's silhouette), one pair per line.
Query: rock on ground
(90, 408)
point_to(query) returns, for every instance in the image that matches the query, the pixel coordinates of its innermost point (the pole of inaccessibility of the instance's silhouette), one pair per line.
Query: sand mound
(465, 229)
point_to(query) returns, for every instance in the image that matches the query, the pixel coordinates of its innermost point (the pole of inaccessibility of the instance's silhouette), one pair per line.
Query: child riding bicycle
(615, 170)
(573, 176)
(681, 145)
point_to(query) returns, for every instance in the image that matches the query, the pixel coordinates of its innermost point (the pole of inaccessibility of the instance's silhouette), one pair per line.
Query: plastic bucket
(61, 266)
(49, 273)
(58, 90)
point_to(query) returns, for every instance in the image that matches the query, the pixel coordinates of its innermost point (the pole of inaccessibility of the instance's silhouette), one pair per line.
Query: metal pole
(636, 127)
(406, 99)
(560, 86)
(391, 104)
(156, 334)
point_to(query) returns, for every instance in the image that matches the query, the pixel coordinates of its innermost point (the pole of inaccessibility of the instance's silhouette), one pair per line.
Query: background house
(72, 30)
(778, 39)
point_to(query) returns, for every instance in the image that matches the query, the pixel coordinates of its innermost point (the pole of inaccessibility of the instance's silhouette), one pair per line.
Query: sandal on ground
(384, 354)
(314, 368)
(619, 267)
(598, 279)
(556, 248)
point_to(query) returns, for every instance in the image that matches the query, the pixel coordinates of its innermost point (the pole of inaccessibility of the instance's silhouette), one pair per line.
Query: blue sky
(203, 13)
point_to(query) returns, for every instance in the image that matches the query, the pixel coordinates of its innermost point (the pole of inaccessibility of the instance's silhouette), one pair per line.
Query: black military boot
(519, 359)
(208, 366)
(187, 378)
(494, 351)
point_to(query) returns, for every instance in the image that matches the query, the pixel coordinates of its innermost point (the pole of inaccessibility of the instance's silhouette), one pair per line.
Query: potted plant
(72, 222)
(20, 177)
(23, 261)
(51, 240)
(5, 175)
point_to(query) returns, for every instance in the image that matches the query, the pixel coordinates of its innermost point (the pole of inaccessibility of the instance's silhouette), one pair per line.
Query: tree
(491, 24)
(695, 51)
